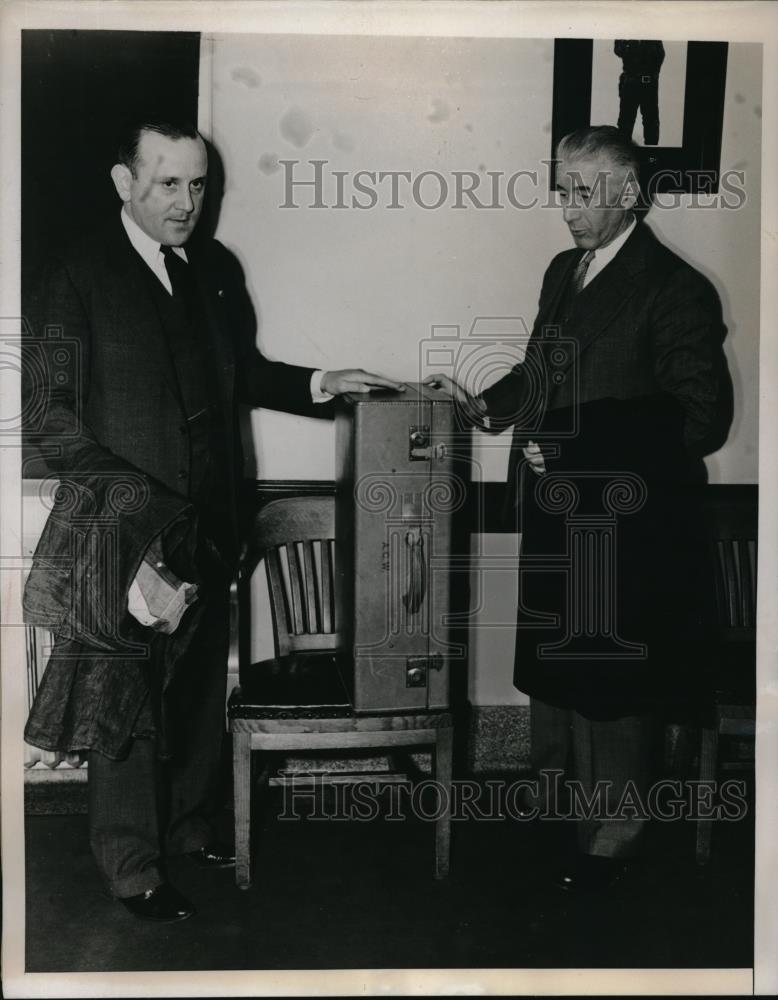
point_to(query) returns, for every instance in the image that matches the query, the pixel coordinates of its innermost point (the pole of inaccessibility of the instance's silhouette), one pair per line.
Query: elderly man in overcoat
(623, 389)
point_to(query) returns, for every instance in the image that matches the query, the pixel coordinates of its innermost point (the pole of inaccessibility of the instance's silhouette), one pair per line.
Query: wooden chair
(297, 701)
(732, 514)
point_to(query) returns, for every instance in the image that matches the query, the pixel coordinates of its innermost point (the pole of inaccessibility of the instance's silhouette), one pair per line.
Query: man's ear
(121, 176)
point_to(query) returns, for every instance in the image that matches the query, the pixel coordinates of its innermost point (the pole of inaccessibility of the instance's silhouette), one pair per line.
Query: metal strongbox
(396, 493)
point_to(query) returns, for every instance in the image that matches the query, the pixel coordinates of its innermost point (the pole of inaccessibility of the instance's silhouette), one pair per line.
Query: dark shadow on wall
(206, 229)
(79, 91)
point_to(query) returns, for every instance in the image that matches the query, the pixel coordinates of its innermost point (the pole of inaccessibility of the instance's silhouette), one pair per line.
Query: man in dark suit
(140, 346)
(623, 389)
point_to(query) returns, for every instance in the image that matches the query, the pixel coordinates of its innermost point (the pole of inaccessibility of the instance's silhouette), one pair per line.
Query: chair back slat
(732, 526)
(288, 534)
(327, 585)
(747, 615)
(729, 578)
(296, 589)
(310, 586)
(752, 571)
(279, 604)
(736, 582)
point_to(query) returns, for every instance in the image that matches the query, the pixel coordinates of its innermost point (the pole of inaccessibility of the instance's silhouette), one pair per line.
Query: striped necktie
(579, 274)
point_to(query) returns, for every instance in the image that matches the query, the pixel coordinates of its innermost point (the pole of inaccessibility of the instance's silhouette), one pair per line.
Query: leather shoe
(590, 873)
(162, 904)
(213, 855)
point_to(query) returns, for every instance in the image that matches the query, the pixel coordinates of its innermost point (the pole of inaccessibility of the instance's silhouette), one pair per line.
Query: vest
(188, 342)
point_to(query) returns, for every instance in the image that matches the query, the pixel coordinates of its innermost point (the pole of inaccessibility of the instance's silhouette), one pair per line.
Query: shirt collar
(148, 248)
(604, 255)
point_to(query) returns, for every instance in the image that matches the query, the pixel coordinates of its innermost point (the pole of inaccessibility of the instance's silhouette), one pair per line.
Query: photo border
(747, 23)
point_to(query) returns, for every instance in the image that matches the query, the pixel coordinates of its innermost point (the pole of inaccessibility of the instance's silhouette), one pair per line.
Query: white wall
(336, 288)
(339, 288)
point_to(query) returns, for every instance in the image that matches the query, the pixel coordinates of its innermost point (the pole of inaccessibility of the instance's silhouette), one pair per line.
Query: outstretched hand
(356, 380)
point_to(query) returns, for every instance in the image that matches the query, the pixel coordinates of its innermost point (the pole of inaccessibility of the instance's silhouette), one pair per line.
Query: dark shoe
(163, 904)
(590, 873)
(213, 856)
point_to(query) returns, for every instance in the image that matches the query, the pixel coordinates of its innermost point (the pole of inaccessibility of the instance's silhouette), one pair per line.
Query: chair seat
(305, 685)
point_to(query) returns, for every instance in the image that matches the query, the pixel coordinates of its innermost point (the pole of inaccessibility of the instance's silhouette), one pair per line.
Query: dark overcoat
(625, 398)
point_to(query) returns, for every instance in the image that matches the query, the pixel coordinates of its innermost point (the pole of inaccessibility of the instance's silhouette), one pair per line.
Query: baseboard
(59, 792)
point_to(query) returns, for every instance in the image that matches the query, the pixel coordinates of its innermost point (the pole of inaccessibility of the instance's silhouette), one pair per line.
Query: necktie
(579, 274)
(178, 272)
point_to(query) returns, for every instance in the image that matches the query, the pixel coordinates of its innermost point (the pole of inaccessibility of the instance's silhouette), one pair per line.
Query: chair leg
(443, 767)
(241, 776)
(709, 746)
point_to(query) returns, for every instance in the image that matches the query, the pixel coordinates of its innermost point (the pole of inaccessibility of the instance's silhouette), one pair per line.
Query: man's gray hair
(602, 140)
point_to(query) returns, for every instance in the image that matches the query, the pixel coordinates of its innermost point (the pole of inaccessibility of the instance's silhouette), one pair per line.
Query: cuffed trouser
(605, 764)
(142, 808)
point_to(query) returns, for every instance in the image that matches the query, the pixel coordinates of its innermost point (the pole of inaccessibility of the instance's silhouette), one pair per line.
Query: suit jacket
(105, 412)
(627, 396)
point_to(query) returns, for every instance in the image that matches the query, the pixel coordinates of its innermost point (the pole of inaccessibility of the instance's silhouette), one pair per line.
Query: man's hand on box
(356, 380)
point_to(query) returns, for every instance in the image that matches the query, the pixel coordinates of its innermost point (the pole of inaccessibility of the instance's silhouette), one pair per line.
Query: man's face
(165, 194)
(596, 200)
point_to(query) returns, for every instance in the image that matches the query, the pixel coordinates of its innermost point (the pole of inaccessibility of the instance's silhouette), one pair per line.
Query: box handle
(417, 578)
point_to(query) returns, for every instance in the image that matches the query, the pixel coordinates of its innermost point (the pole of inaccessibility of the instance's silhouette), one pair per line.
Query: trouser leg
(123, 819)
(141, 806)
(612, 764)
(629, 99)
(550, 754)
(195, 709)
(649, 109)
